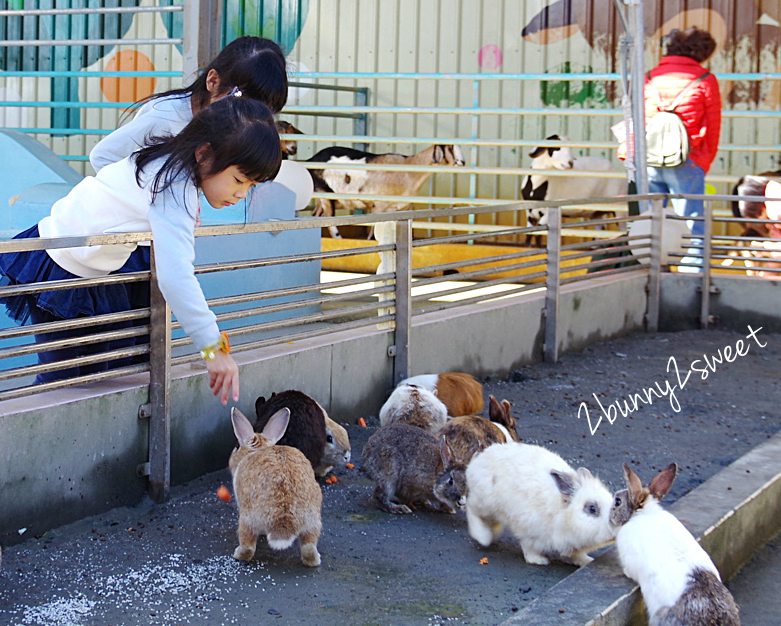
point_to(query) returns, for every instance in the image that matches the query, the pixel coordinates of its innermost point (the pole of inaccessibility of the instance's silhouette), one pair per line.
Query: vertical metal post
(159, 392)
(201, 35)
(360, 126)
(401, 360)
(706, 273)
(638, 96)
(655, 267)
(553, 286)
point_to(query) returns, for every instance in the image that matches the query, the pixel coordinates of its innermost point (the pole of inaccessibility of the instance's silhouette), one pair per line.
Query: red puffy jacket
(700, 109)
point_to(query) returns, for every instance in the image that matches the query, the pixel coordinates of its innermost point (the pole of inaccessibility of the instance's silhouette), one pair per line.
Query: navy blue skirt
(36, 266)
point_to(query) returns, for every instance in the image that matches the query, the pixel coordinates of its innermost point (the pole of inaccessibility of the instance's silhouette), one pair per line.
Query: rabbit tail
(282, 533)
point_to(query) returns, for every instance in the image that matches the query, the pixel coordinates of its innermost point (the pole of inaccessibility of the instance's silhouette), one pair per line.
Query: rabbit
(461, 393)
(501, 415)
(409, 466)
(413, 405)
(469, 434)
(337, 448)
(551, 509)
(275, 489)
(306, 430)
(679, 582)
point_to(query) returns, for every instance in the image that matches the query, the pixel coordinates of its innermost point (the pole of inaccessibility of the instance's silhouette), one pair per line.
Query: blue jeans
(686, 178)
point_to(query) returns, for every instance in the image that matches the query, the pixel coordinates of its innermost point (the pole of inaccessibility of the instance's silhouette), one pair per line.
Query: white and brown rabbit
(413, 405)
(409, 466)
(553, 510)
(275, 489)
(461, 393)
(679, 582)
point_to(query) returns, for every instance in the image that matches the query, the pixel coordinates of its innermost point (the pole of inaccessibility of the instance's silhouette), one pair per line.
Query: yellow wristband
(224, 344)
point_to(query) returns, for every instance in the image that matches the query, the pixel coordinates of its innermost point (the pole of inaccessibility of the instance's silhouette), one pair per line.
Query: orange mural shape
(128, 88)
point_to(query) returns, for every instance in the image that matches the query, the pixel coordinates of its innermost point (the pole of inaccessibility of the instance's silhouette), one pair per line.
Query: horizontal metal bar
(80, 322)
(39, 43)
(564, 76)
(326, 329)
(329, 87)
(29, 390)
(88, 11)
(33, 104)
(476, 110)
(481, 298)
(88, 74)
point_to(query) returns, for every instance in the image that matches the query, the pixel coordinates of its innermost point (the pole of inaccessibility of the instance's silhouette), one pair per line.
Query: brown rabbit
(469, 434)
(501, 415)
(275, 489)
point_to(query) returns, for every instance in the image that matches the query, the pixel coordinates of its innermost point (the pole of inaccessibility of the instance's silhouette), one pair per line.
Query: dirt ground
(171, 564)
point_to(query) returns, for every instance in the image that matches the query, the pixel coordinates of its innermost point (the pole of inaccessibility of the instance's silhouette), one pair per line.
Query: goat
(289, 146)
(756, 185)
(335, 180)
(543, 187)
(752, 185)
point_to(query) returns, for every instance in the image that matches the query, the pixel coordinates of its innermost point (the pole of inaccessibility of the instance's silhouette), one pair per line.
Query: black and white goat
(375, 182)
(544, 187)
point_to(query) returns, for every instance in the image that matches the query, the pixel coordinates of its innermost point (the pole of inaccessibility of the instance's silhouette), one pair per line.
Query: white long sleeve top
(169, 116)
(113, 202)
(158, 117)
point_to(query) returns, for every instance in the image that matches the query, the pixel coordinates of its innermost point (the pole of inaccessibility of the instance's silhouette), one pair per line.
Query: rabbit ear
(445, 452)
(565, 482)
(662, 482)
(584, 473)
(276, 426)
(241, 426)
(634, 484)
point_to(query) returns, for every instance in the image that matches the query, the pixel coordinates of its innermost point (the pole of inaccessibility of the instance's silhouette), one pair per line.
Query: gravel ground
(171, 564)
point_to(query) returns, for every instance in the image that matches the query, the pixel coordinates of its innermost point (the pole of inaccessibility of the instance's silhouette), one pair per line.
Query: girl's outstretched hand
(223, 376)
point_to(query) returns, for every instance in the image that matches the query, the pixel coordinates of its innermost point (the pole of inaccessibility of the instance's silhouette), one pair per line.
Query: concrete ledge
(732, 514)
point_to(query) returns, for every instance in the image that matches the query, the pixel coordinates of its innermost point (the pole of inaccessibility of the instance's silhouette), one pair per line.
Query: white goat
(375, 182)
(544, 187)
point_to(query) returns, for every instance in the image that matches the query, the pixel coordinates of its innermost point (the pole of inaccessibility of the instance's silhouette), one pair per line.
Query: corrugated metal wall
(435, 37)
(538, 36)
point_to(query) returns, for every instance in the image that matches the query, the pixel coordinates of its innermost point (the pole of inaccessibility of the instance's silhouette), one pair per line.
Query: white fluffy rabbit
(551, 509)
(680, 584)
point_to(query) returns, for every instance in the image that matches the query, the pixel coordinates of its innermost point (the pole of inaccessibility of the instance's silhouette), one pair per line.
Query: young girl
(226, 149)
(252, 65)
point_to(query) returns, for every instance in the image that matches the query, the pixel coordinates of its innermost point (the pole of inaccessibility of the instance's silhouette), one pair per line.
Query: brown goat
(289, 146)
(396, 183)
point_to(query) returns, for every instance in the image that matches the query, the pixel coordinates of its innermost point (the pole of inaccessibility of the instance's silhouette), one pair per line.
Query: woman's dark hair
(238, 131)
(253, 64)
(693, 43)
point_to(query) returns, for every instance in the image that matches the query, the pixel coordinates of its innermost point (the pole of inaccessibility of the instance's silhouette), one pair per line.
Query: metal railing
(388, 297)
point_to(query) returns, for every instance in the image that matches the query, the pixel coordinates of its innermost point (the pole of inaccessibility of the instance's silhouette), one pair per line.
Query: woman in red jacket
(700, 111)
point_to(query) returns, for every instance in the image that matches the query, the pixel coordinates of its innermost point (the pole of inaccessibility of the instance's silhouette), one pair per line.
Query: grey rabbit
(411, 466)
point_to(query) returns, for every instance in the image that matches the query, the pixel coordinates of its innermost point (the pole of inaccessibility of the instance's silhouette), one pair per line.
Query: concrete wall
(72, 453)
(737, 302)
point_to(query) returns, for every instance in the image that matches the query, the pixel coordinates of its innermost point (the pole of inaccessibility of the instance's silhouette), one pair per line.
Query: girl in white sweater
(226, 149)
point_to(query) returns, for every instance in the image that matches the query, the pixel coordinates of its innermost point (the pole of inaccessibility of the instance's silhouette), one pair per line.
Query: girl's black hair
(255, 65)
(237, 131)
